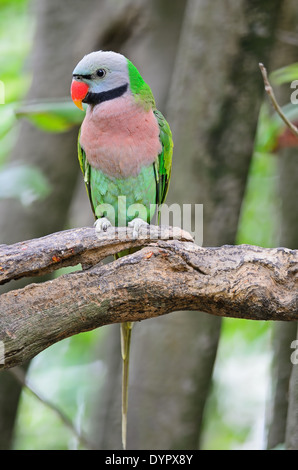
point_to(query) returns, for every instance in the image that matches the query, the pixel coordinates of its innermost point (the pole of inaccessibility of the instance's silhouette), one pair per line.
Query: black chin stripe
(96, 98)
(86, 77)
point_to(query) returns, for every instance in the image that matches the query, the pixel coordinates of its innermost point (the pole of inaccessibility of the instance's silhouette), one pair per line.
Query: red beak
(78, 92)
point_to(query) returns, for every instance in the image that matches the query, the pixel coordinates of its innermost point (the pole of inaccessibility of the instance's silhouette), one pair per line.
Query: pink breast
(120, 137)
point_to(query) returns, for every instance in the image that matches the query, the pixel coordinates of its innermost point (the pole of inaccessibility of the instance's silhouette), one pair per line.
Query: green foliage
(23, 182)
(285, 74)
(15, 40)
(69, 384)
(7, 131)
(270, 127)
(259, 219)
(258, 223)
(234, 418)
(52, 116)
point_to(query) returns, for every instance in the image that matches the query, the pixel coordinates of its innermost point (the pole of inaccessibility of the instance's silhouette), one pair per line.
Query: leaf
(52, 116)
(23, 182)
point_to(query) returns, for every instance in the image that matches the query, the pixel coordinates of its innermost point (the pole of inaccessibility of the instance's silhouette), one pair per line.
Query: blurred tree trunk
(281, 416)
(291, 437)
(289, 222)
(284, 334)
(213, 108)
(65, 32)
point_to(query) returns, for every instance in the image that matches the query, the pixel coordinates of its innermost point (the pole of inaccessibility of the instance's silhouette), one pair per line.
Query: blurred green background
(235, 417)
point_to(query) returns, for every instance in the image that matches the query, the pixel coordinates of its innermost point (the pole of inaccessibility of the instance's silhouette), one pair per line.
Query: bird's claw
(102, 224)
(136, 224)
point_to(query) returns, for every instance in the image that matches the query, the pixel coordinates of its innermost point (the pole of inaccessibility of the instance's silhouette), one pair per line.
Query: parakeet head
(105, 75)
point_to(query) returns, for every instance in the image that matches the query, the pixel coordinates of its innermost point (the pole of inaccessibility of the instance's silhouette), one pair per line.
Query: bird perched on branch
(125, 153)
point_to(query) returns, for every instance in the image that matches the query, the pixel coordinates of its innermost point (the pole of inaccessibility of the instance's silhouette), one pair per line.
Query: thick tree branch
(71, 247)
(171, 273)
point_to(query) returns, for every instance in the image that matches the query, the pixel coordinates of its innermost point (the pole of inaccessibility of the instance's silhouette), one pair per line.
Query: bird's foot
(136, 224)
(102, 224)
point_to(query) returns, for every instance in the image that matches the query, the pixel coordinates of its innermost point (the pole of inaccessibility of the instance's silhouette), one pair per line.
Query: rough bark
(68, 248)
(168, 275)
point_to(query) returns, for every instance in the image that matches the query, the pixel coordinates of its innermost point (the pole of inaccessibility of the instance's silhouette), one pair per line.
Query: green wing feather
(85, 167)
(163, 164)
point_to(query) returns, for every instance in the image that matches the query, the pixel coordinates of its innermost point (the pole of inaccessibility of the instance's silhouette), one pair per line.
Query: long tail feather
(125, 336)
(125, 349)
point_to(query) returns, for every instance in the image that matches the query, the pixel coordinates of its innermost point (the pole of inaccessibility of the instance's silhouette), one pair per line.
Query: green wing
(85, 167)
(163, 164)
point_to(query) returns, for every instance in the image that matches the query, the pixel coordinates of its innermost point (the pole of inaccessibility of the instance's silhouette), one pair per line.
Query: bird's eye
(101, 73)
